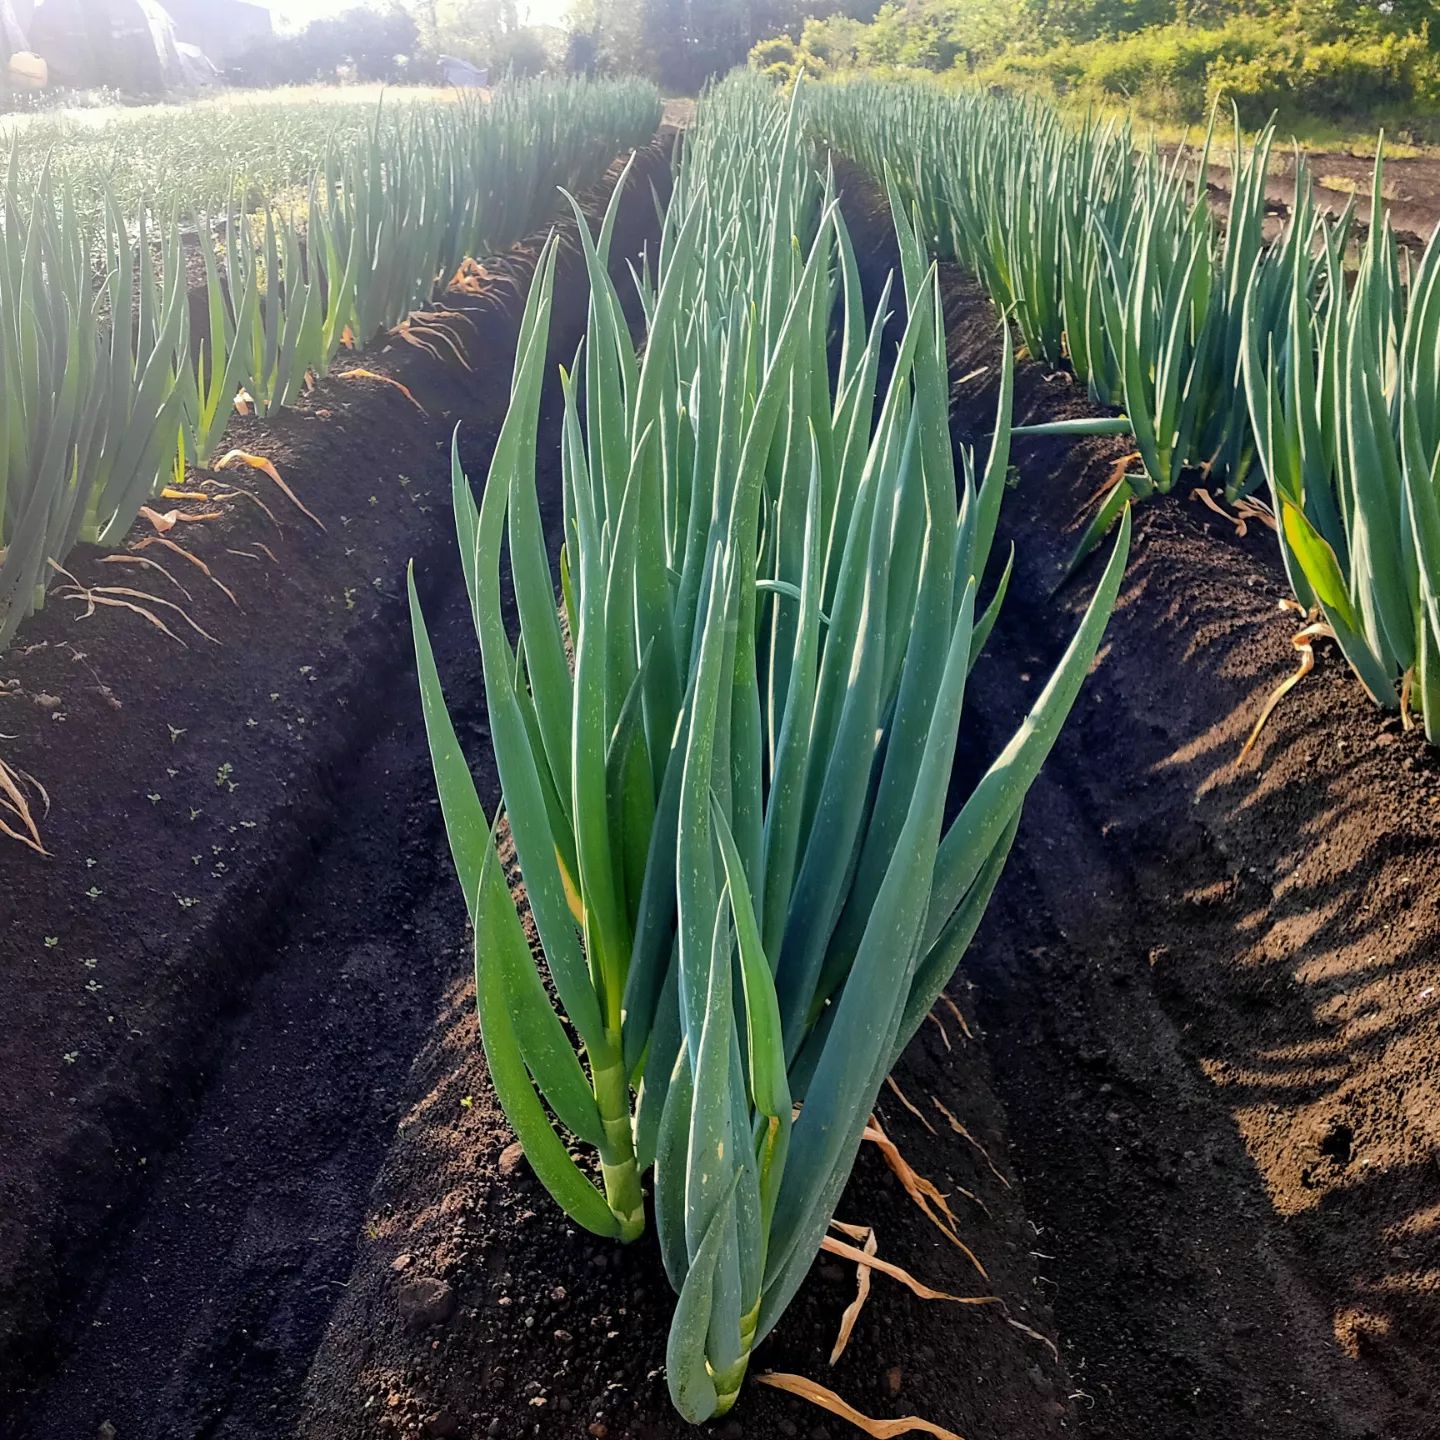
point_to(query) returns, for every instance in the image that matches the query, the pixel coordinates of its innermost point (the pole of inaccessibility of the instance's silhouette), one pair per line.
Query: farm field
(1410, 187)
(839, 697)
(264, 142)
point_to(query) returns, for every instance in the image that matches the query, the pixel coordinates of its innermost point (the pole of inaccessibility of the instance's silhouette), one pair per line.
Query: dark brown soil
(1410, 188)
(215, 986)
(1211, 991)
(542, 1330)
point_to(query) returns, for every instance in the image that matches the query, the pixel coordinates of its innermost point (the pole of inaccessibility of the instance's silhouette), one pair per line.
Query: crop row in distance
(105, 394)
(1262, 367)
(728, 812)
(256, 146)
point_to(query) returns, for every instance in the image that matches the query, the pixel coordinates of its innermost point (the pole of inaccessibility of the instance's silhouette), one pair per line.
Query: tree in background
(402, 40)
(372, 43)
(488, 33)
(682, 43)
(678, 43)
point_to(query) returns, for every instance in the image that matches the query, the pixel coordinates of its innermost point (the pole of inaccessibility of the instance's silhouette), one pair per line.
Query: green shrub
(777, 51)
(1178, 73)
(780, 60)
(1334, 80)
(837, 40)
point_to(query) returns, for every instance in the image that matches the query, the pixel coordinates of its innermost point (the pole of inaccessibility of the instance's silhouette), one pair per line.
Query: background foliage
(1168, 60)
(1318, 64)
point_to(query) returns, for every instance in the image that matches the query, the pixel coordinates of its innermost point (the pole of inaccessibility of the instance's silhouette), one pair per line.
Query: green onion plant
(1346, 408)
(725, 754)
(1104, 255)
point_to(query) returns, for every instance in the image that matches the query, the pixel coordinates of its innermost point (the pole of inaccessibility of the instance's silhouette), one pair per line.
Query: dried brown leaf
(958, 1014)
(151, 564)
(939, 1024)
(960, 1130)
(1304, 642)
(828, 1400)
(14, 803)
(932, 1204)
(363, 374)
(121, 597)
(171, 518)
(832, 1245)
(260, 463)
(194, 560)
(909, 1104)
(869, 1244)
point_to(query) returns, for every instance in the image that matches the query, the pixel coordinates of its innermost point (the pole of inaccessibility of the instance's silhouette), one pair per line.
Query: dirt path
(237, 1249)
(1410, 189)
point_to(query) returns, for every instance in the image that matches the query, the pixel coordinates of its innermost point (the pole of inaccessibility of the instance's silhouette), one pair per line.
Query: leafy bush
(1325, 60)
(780, 60)
(1176, 72)
(838, 40)
(1332, 81)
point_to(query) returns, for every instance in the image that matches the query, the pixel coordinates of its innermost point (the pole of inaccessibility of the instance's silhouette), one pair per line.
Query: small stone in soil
(426, 1301)
(893, 1380)
(1040, 1380)
(510, 1158)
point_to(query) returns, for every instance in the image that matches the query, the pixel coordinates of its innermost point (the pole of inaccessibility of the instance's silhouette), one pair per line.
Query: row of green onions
(725, 754)
(1105, 257)
(1238, 359)
(105, 394)
(1345, 399)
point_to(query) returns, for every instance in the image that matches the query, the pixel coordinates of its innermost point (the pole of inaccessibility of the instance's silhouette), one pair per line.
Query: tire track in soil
(204, 1313)
(241, 1245)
